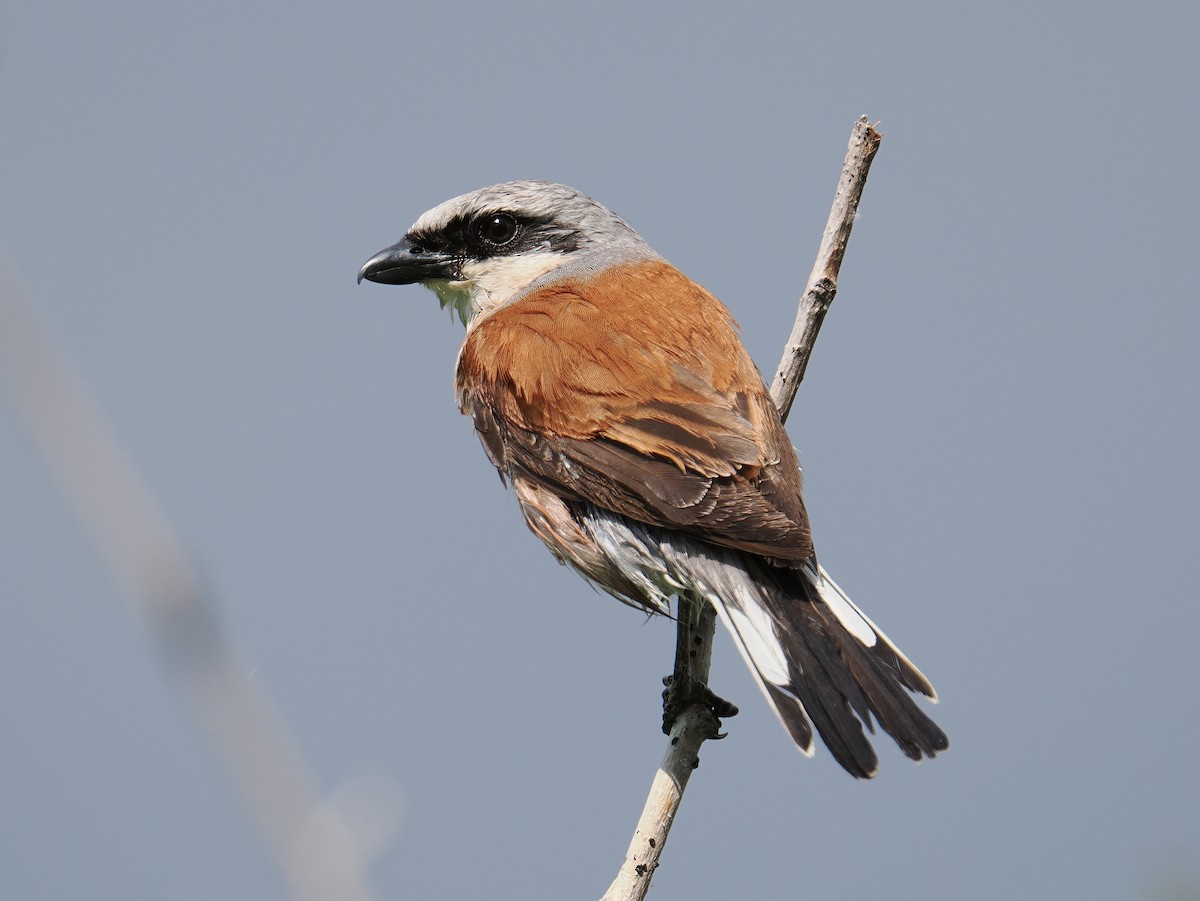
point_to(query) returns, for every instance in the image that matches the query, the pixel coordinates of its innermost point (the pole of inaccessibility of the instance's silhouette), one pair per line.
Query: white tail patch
(852, 619)
(754, 635)
(753, 626)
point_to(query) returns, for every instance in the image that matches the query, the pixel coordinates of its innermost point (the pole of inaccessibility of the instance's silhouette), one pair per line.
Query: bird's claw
(677, 698)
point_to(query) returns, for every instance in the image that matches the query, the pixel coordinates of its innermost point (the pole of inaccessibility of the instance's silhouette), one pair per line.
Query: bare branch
(691, 729)
(822, 283)
(697, 620)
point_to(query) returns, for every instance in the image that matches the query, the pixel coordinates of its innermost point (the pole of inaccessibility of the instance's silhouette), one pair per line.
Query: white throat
(487, 285)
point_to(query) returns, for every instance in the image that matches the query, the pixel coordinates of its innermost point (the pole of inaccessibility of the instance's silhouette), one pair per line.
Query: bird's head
(482, 250)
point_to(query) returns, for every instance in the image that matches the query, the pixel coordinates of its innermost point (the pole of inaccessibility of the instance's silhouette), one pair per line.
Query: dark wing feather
(734, 510)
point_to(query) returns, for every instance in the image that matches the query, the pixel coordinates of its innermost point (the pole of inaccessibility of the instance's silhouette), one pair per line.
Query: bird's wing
(631, 390)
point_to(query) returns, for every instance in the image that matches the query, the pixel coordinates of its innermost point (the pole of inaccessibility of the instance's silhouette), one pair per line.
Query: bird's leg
(683, 686)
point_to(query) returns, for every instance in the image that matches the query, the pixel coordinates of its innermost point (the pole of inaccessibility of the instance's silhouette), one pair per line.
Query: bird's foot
(678, 696)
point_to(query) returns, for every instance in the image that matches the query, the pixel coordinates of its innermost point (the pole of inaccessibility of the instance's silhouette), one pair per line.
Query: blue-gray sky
(999, 431)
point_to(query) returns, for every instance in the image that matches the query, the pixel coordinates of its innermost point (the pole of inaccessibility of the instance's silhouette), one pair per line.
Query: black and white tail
(821, 662)
(818, 658)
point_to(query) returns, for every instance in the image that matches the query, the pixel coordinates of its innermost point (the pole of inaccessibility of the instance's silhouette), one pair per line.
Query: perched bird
(615, 396)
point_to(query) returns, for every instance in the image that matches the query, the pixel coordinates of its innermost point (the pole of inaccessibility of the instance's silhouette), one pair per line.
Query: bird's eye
(497, 229)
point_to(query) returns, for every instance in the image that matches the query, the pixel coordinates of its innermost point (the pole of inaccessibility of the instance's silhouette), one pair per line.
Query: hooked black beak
(406, 262)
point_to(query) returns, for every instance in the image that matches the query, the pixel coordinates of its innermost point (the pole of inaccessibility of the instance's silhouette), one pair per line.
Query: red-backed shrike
(615, 396)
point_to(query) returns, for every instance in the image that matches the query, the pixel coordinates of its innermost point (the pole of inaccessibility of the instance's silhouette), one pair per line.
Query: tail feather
(795, 663)
(754, 635)
(831, 696)
(791, 713)
(826, 664)
(916, 734)
(836, 599)
(819, 660)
